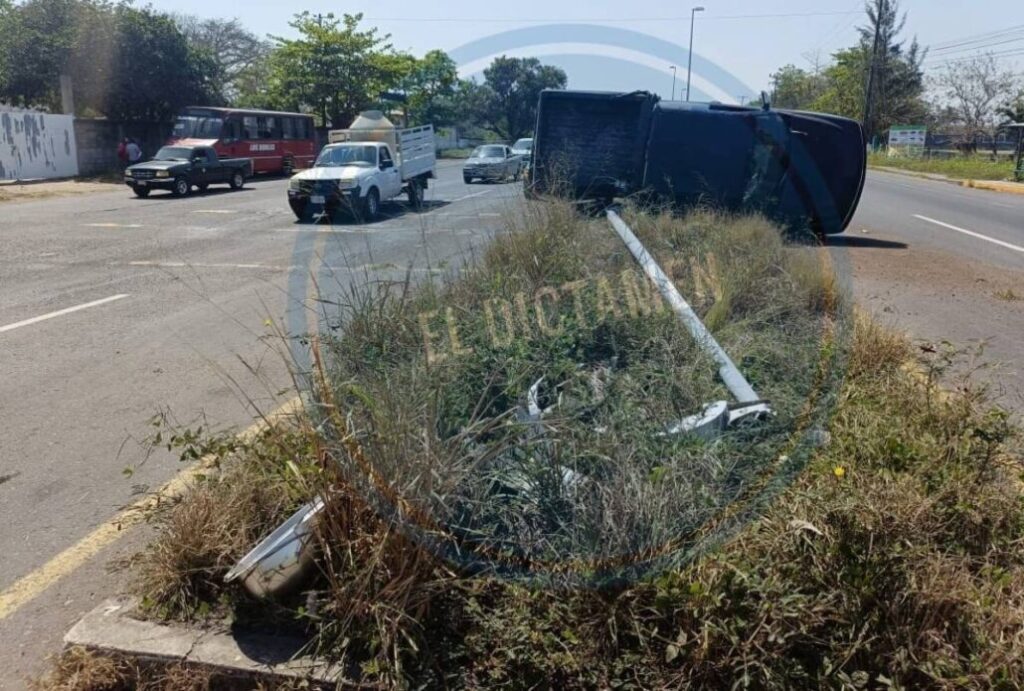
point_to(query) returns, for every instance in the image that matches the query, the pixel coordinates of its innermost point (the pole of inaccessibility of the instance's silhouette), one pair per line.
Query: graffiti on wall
(37, 145)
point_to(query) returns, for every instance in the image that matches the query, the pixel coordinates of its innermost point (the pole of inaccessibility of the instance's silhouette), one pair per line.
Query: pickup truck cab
(180, 168)
(363, 166)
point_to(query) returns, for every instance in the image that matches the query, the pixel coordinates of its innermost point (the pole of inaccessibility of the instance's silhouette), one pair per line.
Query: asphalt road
(945, 264)
(115, 308)
(161, 304)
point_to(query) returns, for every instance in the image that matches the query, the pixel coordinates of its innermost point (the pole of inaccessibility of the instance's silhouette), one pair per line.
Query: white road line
(112, 225)
(471, 196)
(61, 313)
(986, 238)
(215, 211)
(208, 265)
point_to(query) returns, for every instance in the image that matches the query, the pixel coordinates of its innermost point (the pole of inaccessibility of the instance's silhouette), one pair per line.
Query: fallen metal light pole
(716, 416)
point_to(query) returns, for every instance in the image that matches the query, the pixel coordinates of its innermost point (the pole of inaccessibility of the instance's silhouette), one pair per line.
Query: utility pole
(673, 68)
(869, 92)
(689, 57)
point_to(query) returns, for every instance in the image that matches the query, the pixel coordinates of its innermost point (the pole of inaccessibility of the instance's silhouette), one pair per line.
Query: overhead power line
(998, 55)
(973, 38)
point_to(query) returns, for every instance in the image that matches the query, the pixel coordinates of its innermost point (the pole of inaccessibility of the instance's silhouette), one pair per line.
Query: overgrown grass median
(467, 545)
(977, 167)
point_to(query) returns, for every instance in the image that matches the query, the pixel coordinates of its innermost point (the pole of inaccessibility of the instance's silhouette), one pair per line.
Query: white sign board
(908, 137)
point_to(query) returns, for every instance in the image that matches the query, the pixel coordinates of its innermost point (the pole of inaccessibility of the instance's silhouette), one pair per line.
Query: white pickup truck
(362, 166)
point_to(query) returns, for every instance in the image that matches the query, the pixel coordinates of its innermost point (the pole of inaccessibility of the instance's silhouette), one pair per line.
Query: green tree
(432, 87)
(514, 86)
(123, 62)
(333, 68)
(155, 73)
(36, 39)
(896, 80)
(795, 88)
(1013, 109)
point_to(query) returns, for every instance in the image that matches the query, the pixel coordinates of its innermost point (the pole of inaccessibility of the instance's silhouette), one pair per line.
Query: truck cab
(367, 164)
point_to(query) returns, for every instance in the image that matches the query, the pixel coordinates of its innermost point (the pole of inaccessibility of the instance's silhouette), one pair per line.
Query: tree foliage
(432, 87)
(334, 68)
(897, 85)
(124, 62)
(236, 52)
(512, 86)
(974, 88)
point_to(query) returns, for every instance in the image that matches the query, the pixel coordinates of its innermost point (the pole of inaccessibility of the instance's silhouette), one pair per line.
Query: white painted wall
(37, 145)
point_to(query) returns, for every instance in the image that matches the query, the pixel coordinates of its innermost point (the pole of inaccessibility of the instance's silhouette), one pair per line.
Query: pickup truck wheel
(181, 187)
(141, 192)
(415, 194)
(371, 205)
(468, 180)
(237, 180)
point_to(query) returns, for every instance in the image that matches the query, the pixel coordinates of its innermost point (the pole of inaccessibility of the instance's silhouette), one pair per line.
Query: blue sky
(737, 44)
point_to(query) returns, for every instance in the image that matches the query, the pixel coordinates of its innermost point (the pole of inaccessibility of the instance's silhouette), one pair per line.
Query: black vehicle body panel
(211, 170)
(804, 170)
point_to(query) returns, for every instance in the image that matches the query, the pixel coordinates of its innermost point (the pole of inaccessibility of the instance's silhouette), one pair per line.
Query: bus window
(232, 129)
(249, 127)
(288, 128)
(268, 127)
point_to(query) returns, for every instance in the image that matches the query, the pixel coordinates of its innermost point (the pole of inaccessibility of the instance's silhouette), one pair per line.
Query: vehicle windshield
(196, 127)
(523, 145)
(488, 152)
(173, 153)
(347, 155)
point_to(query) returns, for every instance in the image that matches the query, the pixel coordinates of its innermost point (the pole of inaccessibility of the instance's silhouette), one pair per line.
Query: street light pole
(673, 68)
(689, 65)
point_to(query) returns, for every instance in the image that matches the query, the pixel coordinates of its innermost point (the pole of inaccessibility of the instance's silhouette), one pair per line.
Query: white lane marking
(471, 196)
(112, 225)
(215, 211)
(986, 238)
(206, 265)
(61, 313)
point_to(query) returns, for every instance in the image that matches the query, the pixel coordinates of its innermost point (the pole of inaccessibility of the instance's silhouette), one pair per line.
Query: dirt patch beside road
(61, 188)
(939, 297)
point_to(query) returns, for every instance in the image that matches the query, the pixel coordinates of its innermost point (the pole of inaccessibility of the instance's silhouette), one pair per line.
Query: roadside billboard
(907, 140)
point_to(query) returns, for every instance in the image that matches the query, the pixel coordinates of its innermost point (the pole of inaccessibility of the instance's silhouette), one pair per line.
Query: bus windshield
(197, 127)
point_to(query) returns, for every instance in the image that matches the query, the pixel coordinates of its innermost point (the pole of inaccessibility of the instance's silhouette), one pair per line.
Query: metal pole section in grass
(727, 370)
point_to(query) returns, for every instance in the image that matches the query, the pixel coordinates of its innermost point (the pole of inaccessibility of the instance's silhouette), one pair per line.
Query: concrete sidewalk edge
(113, 628)
(990, 185)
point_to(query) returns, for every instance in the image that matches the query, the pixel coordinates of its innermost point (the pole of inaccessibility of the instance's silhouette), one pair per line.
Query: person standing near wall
(134, 152)
(122, 152)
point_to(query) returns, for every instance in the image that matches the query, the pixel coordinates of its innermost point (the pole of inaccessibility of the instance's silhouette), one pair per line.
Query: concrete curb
(114, 629)
(990, 185)
(995, 186)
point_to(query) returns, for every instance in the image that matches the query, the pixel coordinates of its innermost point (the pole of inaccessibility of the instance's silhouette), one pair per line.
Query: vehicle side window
(232, 129)
(302, 128)
(385, 156)
(268, 127)
(288, 128)
(211, 156)
(249, 127)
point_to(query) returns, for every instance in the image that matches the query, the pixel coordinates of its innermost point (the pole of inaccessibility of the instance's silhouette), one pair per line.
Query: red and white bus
(276, 142)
